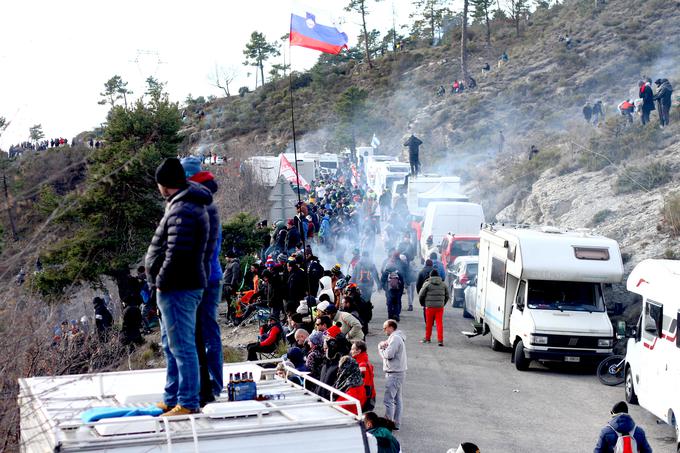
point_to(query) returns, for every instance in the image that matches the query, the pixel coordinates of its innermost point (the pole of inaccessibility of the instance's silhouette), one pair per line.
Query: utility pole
(394, 30)
(15, 236)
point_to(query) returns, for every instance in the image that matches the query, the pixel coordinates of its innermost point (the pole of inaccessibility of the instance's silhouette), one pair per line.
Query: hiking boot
(410, 308)
(179, 410)
(424, 340)
(441, 343)
(164, 407)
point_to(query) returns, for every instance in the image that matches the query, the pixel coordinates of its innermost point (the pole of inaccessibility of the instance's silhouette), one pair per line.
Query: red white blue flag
(306, 32)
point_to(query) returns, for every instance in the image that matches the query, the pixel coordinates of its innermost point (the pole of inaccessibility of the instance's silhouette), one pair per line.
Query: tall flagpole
(297, 172)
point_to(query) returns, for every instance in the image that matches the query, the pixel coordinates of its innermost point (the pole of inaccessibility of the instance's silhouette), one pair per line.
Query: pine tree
(359, 6)
(114, 90)
(482, 13)
(257, 51)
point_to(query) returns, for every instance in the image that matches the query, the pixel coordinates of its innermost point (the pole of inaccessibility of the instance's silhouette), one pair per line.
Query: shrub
(671, 213)
(601, 216)
(648, 177)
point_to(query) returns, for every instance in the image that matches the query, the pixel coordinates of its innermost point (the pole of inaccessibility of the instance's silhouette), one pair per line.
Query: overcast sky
(56, 55)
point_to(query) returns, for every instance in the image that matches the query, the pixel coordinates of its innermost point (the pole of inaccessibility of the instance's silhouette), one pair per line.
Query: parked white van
(425, 183)
(539, 292)
(455, 217)
(653, 356)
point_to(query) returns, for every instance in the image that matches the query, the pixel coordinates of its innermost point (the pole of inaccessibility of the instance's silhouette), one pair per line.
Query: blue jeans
(393, 304)
(209, 339)
(178, 330)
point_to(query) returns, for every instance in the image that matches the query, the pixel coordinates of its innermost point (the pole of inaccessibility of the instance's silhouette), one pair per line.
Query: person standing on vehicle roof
(622, 430)
(413, 144)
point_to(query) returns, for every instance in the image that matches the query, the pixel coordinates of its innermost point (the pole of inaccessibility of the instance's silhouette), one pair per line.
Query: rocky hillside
(615, 178)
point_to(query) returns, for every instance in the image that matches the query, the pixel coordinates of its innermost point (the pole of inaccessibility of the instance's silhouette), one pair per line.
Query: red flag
(288, 172)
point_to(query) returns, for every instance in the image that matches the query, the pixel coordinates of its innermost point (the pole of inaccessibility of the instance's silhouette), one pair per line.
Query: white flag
(375, 142)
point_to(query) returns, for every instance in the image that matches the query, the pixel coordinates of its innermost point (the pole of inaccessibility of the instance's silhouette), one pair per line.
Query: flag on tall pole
(375, 142)
(305, 31)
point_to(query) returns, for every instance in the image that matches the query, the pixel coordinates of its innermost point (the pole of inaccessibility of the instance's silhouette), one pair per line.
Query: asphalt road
(467, 392)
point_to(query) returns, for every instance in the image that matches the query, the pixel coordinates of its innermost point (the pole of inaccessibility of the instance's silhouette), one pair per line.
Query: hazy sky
(56, 55)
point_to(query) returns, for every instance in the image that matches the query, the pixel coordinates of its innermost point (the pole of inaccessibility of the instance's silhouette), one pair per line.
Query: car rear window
(463, 247)
(472, 268)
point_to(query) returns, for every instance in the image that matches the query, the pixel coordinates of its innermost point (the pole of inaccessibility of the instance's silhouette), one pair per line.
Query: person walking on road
(393, 354)
(392, 281)
(621, 430)
(175, 265)
(434, 295)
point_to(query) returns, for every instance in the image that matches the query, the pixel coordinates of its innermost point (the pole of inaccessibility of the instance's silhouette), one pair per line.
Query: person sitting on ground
(620, 426)
(456, 86)
(472, 83)
(334, 348)
(486, 69)
(533, 151)
(349, 381)
(270, 336)
(381, 428)
(441, 91)
(360, 353)
(301, 336)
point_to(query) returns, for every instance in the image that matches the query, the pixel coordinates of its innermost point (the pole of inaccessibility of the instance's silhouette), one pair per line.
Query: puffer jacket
(175, 259)
(212, 255)
(434, 293)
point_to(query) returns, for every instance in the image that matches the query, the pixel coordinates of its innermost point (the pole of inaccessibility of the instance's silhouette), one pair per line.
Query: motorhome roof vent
(550, 229)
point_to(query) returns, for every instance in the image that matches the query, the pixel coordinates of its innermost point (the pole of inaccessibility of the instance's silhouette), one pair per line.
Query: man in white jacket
(393, 353)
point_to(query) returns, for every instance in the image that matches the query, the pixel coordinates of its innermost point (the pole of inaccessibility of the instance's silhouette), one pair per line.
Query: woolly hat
(315, 338)
(323, 306)
(333, 331)
(269, 262)
(620, 408)
(192, 165)
(434, 273)
(170, 174)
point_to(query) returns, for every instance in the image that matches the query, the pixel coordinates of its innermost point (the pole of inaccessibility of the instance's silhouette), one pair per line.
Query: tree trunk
(432, 21)
(488, 27)
(15, 236)
(463, 44)
(261, 73)
(363, 20)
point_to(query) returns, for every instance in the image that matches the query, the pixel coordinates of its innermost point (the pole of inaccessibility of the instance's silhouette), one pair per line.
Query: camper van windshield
(571, 296)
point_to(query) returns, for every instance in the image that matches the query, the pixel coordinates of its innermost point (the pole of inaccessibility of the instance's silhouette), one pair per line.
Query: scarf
(349, 374)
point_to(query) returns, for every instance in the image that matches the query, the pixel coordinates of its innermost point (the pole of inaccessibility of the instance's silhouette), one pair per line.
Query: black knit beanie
(170, 174)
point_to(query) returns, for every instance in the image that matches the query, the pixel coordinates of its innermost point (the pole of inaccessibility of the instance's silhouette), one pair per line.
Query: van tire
(521, 362)
(629, 387)
(496, 345)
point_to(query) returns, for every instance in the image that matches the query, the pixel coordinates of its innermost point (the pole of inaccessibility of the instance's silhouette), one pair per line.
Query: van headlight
(605, 343)
(539, 339)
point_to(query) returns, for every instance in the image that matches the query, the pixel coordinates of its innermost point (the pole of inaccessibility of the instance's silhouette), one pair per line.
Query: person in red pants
(433, 295)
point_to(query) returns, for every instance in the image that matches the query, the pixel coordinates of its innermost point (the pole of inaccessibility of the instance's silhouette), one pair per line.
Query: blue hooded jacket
(624, 424)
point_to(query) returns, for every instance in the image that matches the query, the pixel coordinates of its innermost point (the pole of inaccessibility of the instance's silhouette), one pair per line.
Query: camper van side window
(653, 318)
(498, 272)
(591, 253)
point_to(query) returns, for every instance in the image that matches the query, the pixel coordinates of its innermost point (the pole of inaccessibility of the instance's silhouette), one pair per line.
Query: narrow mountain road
(467, 392)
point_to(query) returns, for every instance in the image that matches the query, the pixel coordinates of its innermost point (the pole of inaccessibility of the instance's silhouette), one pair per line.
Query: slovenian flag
(306, 32)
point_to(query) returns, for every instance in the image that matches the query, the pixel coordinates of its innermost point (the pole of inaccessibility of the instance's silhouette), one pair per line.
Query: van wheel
(631, 397)
(521, 362)
(496, 345)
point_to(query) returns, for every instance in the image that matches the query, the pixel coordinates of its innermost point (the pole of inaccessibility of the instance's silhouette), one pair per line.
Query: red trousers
(432, 314)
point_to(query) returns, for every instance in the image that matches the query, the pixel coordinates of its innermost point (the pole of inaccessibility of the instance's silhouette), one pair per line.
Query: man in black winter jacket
(413, 144)
(175, 264)
(664, 92)
(621, 424)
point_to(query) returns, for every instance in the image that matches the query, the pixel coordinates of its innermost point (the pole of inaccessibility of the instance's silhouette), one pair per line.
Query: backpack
(625, 443)
(393, 280)
(364, 276)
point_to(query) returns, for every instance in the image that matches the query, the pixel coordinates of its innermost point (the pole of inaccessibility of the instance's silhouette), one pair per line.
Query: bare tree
(223, 78)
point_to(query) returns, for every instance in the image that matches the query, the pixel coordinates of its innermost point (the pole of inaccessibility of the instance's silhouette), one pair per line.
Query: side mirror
(520, 303)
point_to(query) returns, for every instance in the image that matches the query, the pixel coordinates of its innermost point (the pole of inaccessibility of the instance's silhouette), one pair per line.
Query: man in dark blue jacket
(621, 424)
(175, 265)
(208, 337)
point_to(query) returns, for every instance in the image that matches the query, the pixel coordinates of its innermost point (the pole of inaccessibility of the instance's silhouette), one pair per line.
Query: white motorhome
(51, 408)
(422, 184)
(328, 164)
(264, 169)
(455, 217)
(387, 173)
(371, 164)
(306, 165)
(540, 292)
(653, 355)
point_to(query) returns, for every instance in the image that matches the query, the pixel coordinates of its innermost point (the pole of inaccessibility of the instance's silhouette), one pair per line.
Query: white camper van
(442, 217)
(422, 184)
(328, 164)
(539, 291)
(288, 414)
(653, 356)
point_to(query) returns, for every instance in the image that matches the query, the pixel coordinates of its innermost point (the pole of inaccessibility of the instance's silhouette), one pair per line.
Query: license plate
(572, 359)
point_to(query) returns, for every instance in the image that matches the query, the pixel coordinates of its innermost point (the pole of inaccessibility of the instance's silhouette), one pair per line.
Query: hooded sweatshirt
(624, 424)
(394, 355)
